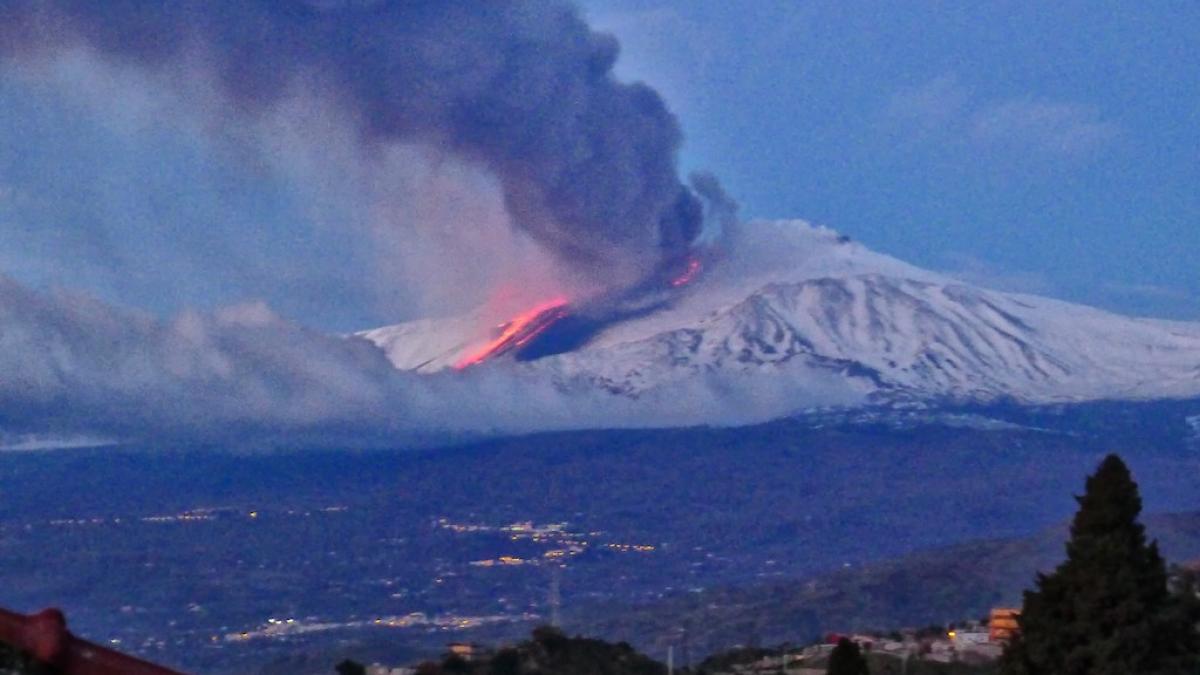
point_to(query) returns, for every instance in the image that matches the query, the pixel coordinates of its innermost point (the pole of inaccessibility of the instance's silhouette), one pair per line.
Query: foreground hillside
(932, 587)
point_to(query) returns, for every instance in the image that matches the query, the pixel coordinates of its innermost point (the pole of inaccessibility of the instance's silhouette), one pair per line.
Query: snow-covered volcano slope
(799, 302)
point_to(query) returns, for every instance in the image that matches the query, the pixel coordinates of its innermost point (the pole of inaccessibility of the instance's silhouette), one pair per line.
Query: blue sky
(1051, 148)
(1044, 147)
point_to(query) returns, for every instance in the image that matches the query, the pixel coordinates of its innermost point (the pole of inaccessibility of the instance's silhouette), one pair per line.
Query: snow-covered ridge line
(798, 303)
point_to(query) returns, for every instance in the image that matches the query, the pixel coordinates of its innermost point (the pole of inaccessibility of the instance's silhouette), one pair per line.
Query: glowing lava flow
(689, 274)
(518, 331)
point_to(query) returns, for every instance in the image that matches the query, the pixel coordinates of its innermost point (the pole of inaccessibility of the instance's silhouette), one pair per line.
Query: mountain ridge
(805, 304)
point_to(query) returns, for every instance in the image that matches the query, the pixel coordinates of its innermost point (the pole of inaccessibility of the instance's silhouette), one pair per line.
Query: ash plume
(586, 164)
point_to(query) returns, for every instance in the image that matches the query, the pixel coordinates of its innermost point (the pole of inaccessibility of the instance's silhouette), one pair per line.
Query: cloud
(72, 363)
(1150, 299)
(75, 369)
(1135, 299)
(937, 105)
(1064, 129)
(38, 442)
(979, 272)
(1151, 291)
(944, 110)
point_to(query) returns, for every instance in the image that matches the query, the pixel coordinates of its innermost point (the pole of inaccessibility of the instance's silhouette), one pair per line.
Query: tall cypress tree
(1106, 610)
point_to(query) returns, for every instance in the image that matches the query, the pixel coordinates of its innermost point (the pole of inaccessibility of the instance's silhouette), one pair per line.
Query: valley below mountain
(220, 562)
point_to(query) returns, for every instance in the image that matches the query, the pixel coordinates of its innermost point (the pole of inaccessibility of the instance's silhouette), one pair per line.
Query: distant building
(866, 642)
(964, 637)
(468, 651)
(1002, 624)
(379, 669)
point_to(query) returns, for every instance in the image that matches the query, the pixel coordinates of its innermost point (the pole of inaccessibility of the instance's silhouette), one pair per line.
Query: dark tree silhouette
(847, 659)
(349, 667)
(1107, 609)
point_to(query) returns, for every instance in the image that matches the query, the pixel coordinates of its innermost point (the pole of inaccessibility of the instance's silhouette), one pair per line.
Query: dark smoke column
(587, 164)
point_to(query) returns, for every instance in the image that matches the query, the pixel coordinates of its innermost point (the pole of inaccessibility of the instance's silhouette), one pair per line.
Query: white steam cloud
(79, 368)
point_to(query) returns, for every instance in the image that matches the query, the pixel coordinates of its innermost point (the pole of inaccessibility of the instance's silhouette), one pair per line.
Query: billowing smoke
(721, 221)
(586, 164)
(433, 126)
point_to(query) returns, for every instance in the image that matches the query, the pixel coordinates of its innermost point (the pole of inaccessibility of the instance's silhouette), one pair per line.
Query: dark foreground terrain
(700, 538)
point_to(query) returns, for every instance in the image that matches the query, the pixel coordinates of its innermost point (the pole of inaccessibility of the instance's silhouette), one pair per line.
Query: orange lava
(518, 331)
(689, 274)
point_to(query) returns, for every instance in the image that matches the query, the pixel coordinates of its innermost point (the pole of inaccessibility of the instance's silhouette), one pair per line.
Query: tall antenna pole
(555, 595)
(687, 643)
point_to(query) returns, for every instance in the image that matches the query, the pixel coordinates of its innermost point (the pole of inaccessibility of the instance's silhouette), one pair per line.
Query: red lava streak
(518, 331)
(688, 275)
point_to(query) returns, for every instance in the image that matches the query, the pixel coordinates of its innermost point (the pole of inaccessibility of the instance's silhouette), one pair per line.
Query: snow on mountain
(427, 345)
(801, 302)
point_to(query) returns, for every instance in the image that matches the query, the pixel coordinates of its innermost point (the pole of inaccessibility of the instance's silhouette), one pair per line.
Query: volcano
(795, 304)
